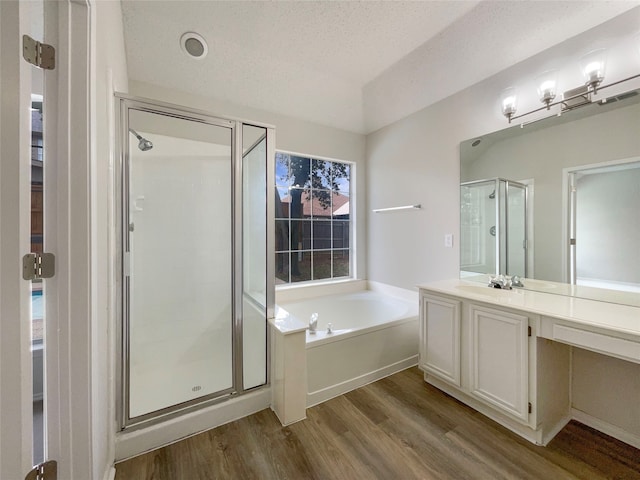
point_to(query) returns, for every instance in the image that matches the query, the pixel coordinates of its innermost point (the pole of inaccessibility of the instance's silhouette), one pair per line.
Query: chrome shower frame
(120, 207)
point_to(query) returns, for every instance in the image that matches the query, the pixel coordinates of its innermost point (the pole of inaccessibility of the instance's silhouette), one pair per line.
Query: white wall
(416, 160)
(292, 135)
(110, 73)
(607, 388)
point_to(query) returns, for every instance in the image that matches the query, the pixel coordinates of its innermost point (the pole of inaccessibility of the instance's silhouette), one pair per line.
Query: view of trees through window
(312, 219)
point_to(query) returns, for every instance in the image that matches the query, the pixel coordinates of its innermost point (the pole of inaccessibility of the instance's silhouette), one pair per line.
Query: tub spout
(313, 323)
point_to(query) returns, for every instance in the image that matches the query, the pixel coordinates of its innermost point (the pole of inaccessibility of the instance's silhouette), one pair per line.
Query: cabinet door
(440, 338)
(499, 360)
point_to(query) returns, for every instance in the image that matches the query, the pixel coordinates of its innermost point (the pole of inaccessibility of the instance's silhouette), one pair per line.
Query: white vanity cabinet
(439, 352)
(499, 359)
(489, 358)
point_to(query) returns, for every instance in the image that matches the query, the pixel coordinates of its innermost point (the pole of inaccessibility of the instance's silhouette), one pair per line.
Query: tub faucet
(516, 281)
(313, 323)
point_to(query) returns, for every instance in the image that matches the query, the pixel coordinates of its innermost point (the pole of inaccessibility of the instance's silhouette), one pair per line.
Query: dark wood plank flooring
(395, 428)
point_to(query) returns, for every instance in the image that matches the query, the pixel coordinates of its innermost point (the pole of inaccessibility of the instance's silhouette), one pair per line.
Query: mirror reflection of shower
(493, 228)
(143, 143)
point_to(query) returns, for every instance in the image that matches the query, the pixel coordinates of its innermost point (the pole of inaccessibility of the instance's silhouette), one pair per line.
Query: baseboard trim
(606, 428)
(110, 474)
(322, 395)
(137, 442)
(553, 431)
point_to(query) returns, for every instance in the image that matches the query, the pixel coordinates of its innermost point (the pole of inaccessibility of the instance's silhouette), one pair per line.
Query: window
(313, 219)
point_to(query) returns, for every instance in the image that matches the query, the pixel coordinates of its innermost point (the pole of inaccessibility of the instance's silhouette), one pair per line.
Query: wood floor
(396, 428)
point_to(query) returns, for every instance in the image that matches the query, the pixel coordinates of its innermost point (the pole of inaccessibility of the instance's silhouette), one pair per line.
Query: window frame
(351, 222)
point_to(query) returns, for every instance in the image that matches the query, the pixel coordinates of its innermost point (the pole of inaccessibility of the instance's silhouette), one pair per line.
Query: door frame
(569, 208)
(69, 336)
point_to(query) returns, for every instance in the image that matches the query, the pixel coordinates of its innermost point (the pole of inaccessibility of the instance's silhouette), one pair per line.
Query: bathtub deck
(396, 428)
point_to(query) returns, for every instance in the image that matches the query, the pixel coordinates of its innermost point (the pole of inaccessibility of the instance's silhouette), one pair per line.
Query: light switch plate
(448, 240)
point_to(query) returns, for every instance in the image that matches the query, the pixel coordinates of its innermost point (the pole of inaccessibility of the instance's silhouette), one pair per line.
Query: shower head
(492, 194)
(143, 144)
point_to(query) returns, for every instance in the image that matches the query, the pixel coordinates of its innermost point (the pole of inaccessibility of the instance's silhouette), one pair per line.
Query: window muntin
(313, 219)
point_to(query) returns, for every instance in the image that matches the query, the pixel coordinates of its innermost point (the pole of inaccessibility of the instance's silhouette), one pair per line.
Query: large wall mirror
(557, 201)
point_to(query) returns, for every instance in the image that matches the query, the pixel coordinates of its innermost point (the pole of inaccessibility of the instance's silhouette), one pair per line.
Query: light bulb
(547, 83)
(592, 66)
(509, 102)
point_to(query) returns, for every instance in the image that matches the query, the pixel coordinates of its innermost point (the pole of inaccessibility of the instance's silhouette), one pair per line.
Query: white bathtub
(374, 334)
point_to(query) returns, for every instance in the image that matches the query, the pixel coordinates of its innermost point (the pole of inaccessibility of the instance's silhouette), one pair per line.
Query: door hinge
(572, 241)
(530, 407)
(38, 54)
(529, 330)
(45, 471)
(38, 265)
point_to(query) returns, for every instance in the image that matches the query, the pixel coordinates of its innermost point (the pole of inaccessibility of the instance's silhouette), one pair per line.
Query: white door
(500, 360)
(16, 379)
(66, 384)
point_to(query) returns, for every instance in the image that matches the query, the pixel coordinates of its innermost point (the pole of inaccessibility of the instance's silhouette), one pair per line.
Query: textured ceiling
(353, 65)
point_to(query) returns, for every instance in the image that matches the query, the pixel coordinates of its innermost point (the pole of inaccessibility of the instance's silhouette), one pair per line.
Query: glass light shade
(592, 66)
(509, 102)
(547, 86)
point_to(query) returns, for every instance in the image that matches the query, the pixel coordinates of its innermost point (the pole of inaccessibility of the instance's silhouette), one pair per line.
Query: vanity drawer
(617, 347)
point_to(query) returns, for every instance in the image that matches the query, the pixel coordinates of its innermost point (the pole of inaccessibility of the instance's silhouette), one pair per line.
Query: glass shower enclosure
(493, 228)
(194, 258)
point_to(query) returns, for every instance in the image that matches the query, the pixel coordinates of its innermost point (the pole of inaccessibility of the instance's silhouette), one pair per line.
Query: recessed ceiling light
(194, 45)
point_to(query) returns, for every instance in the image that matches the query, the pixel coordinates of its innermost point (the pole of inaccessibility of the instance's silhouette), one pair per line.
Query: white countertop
(622, 319)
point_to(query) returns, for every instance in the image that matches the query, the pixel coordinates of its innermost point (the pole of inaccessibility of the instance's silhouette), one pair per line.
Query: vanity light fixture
(592, 66)
(547, 83)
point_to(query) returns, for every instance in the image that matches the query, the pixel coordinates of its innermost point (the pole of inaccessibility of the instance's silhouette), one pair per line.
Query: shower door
(493, 228)
(178, 261)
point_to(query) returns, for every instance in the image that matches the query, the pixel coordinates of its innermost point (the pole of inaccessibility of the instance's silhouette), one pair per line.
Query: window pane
(321, 235)
(282, 268)
(340, 234)
(341, 263)
(341, 206)
(300, 266)
(300, 234)
(299, 171)
(282, 169)
(321, 174)
(321, 265)
(282, 202)
(299, 204)
(341, 177)
(282, 236)
(321, 204)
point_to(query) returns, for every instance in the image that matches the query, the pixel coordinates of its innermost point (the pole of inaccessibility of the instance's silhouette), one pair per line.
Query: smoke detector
(194, 45)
